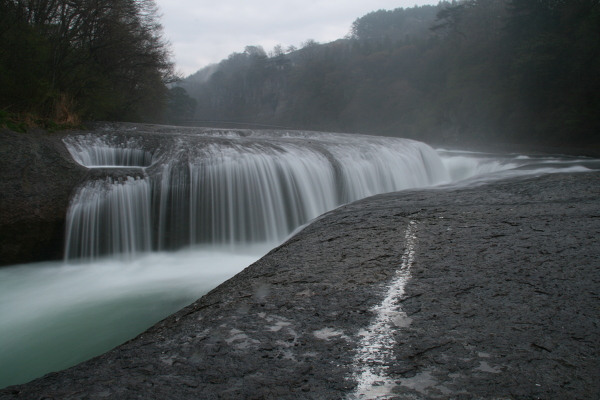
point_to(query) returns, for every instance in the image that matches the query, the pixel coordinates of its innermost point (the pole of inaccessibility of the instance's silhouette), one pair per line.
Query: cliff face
(38, 177)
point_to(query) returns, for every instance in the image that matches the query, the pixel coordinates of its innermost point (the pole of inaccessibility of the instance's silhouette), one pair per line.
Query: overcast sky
(203, 32)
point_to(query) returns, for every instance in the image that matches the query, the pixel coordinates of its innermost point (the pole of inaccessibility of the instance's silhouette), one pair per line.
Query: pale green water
(53, 315)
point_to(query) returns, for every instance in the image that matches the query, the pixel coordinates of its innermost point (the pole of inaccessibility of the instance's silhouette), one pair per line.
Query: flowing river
(175, 215)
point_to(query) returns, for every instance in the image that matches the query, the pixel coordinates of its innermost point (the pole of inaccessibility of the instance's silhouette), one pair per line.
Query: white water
(94, 151)
(108, 217)
(200, 190)
(234, 196)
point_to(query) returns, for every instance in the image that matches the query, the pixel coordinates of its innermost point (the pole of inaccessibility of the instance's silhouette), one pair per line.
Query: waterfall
(234, 194)
(230, 189)
(108, 217)
(93, 151)
(463, 164)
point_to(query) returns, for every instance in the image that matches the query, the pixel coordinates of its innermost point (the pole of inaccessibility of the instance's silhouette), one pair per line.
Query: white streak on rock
(485, 367)
(328, 333)
(278, 325)
(377, 340)
(421, 382)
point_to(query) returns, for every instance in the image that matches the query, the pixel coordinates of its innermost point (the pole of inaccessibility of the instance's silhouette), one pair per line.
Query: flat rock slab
(488, 292)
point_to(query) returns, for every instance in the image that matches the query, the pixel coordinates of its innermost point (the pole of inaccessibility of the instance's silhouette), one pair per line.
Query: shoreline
(500, 299)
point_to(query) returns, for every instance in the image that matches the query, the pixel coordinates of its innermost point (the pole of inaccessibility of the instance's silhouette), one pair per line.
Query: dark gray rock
(502, 303)
(38, 177)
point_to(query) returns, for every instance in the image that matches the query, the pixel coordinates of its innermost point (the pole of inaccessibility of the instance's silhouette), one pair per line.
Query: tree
(84, 58)
(181, 105)
(309, 50)
(506, 70)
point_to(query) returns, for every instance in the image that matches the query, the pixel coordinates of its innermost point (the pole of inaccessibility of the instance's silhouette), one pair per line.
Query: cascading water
(241, 194)
(93, 151)
(234, 191)
(108, 217)
(464, 165)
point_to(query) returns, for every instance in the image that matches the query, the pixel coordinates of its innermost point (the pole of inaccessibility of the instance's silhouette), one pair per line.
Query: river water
(199, 210)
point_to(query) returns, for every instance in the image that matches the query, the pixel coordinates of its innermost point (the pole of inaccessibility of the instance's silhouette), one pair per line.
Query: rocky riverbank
(38, 178)
(483, 292)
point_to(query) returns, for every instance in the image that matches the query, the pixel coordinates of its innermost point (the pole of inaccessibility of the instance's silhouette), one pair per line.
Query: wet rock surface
(38, 177)
(501, 301)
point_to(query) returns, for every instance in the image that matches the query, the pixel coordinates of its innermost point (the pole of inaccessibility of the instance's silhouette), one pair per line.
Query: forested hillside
(63, 61)
(468, 71)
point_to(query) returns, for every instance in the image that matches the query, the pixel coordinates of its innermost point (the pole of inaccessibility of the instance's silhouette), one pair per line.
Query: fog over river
(171, 216)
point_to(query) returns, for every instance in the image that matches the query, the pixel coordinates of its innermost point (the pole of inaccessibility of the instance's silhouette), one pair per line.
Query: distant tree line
(470, 70)
(66, 60)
